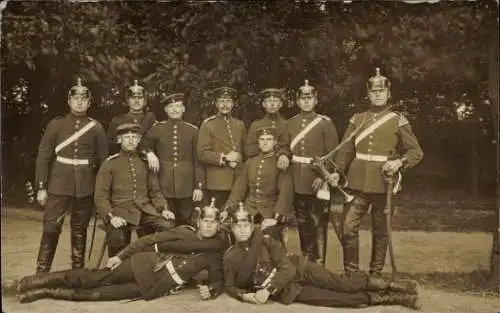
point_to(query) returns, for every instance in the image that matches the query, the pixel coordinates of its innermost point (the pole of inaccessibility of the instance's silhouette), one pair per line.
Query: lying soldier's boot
(403, 286)
(42, 293)
(41, 280)
(406, 300)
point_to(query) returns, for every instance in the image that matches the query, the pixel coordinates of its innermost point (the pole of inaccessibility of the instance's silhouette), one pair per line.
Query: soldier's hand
(197, 195)
(391, 167)
(268, 222)
(317, 183)
(113, 262)
(283, 162)
(168, 215)
(262, 296)
(153, 161)
(118, 222)
(333, 179)
(233, 164)
(250, 297)
(41, 197)
(204, 292)
(233, 156)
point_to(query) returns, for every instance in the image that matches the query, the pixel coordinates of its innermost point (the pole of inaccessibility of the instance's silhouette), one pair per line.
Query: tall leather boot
(409, 286)
(406, 300)
(40, 280)
(46, 252)
(78, 247)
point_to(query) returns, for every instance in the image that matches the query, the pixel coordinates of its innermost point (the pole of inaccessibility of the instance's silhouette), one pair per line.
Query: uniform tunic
(125, 187)
(264, 188)
(393, 139)
(321, 139)
(175, 145)
(274, 121)
(219, 134)
(67, 179)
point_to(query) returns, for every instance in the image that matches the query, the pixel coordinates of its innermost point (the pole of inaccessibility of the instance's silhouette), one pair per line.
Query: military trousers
(119, 238)
(353, 213)
(312, 215)
(322, 287)
(53, 218)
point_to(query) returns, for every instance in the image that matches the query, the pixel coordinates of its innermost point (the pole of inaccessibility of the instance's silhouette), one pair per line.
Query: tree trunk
(493, 92)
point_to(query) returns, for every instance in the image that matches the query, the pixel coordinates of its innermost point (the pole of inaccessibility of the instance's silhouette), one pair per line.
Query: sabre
(388, 214)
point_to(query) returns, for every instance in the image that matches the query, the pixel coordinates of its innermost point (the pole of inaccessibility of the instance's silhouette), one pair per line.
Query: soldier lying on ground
(154, 266)
(257, 268)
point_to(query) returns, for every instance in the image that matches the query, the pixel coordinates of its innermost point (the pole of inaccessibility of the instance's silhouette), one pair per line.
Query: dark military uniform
(275, 122)
(267, 191)
(180, 172)
(68, 173)
(321, 139)
(262, 263)
(362, 158)
(219, 135)
(126, 188)
(152, 267)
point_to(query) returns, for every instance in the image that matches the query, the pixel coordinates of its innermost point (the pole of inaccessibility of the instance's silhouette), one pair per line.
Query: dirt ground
(416, 253)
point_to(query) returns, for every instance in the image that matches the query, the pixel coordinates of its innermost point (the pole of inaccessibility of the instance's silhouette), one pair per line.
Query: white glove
(168, 215)
(153, 161)
(118, 222)
(268, 222)
(333, 179)
(283, 162)
(113, 262)
(41, 197)
(197, 195)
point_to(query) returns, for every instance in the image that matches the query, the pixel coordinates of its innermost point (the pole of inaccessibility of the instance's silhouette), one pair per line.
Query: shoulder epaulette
(111, 157)
(91, 119)
(208, 119)
(325, 117)
(402, 119)
(157, 123)
(192, 125)
(58, 117)
(352, 120)
(187, 227)
(229, 249)
(291, 118)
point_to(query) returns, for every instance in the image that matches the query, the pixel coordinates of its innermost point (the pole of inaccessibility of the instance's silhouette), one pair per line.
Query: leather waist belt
(173, 273)
(369, 157)
(72, 161)
(267, 281)
(303, 160)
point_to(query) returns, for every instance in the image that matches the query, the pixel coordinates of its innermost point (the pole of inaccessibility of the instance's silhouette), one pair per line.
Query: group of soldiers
(159, 172)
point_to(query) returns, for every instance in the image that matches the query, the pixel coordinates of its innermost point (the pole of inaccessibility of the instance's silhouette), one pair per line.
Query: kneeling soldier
(257, 268)
(267, 192)
(151, 267)
(127, 193)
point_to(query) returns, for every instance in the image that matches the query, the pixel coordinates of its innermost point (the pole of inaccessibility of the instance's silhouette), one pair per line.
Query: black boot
(41, 280)
(48, 245)
(78, 245)
(406, 300)
(376, 282)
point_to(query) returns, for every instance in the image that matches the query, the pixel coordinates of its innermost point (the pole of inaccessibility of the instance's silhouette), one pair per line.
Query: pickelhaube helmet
(136, 90)
(223, 92)
(306, 90)
(128, 128)
(241, 215)
(79, 89)
(266, 131)
(173, 98)
(210, 211)
(378, 82)
(272, 92)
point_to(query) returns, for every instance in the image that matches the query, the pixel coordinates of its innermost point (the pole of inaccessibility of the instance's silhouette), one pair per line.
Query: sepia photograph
(250, 156)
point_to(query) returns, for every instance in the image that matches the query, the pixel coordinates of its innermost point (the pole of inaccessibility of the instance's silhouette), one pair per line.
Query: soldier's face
(175, 110)
(208, 227)
(272, 104)
(242, 230)
(129, 142)
(79, 104)
(379, 97)
(224, 105)
(307, 102)
(266, 143)
(136, 103)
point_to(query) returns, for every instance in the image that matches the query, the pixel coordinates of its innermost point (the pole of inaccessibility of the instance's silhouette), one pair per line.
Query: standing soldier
(127, 193)
(379, 143)
(136, 102)
(310, 135)
(71, 150)
(272, 101)
(267, 191)
(181, 175)
(220, 146)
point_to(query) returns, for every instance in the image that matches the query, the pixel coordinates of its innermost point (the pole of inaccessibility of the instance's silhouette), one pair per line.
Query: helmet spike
(136, 82)
(79, 82)
(212, 202)
(377, 70)
(306, 82)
